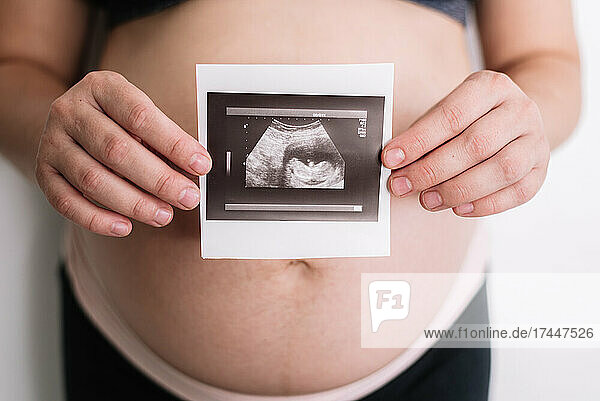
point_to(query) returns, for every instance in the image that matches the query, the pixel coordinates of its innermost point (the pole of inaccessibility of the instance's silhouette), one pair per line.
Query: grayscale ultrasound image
(295, 156)
(292, 157)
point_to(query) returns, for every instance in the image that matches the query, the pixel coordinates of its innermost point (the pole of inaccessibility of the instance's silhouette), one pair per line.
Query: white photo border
(237, 239)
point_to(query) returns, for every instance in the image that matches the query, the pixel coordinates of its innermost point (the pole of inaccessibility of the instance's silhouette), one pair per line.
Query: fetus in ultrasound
(313, 164)
(289, 156)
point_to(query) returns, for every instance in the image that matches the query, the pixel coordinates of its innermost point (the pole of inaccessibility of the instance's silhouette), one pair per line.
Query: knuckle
(138, 118)
(101, 77)
(92, 77)
(523, 192)
(40, 173)
(452, 117)
(482, 75)
(112, 76)
(500, 79)
(492, 205)
(93, 222)
(60, 107)
(457, 193)
(96, 81)
(64, 205)
(51, 141)
(419, 145)
(139, 208)
(493, 80)
(474, 76)
(116, 150)
(91, 182)
(164, 185)
(531, 107)
(510, 168)
(177, 146)
(478, 146)
(546, 151)
(428, 175)
(545, 163)
(542, 151)
(531, 111)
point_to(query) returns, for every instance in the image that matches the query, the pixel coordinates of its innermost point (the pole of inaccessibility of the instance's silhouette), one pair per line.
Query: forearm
(553, 82)
(26, 92)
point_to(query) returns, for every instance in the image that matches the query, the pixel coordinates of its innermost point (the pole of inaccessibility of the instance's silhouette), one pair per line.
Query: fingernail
(200, 163)
(394, 157)
(189, 198)
(119, 228)
(432, 199)
(465, 208)
(401, 186)
(162, 217)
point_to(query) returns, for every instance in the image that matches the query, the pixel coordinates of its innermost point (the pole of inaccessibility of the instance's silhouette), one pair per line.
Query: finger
(477, 95)
(99, 184)
(133, 110)
(508, 166)
(484, 138)
(507, 198)
(116, 149)
(73, 206)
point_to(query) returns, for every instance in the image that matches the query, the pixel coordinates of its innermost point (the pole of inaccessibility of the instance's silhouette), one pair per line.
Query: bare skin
(276, 327)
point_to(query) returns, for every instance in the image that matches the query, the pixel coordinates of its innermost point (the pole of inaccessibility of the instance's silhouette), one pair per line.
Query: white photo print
(296, 160)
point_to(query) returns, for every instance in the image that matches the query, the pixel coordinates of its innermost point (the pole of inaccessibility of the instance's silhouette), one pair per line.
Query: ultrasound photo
(296, 160)
(295, 156)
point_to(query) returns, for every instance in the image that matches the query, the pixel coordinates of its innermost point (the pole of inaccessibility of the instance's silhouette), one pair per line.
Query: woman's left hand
(480, 151)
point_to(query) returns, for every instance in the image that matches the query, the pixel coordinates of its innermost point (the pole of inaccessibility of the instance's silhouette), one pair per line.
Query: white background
(557, 231)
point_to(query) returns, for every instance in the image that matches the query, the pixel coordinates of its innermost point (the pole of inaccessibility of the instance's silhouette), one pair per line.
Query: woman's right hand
(100, 146)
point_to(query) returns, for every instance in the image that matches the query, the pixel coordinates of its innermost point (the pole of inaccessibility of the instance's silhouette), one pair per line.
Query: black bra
(120, 11)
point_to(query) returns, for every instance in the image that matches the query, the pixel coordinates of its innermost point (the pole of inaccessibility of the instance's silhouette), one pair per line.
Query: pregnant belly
(274, 326)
